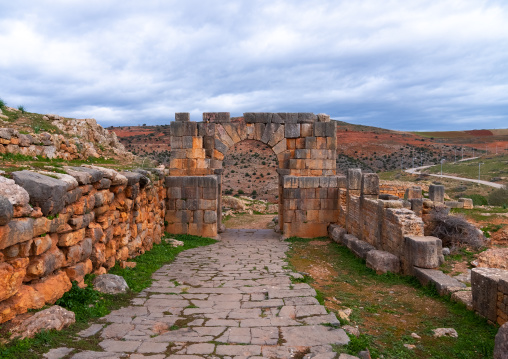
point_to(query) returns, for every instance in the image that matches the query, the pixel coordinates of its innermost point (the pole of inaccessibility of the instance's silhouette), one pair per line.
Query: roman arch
(305, 145)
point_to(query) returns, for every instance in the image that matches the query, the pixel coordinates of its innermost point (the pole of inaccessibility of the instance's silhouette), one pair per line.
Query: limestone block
(16, 231)
(442, 282)
(370, 184)
(346, 238)
(53, 287)
(359, 247)
(321, 117)
(41, 226)
(16, 194)
(484, 284)
(414, 192)
(336, 232)
(40, 245)
(182, 116)
(46, 263)
(354, 179)
(71, 238)
(468, 203)
(217, 117)
(423, 252)
(292, 130)
(179, 129)
(11, 277)
(25, 298)
(45, 192)
(417, 206)
(306, 117)
(79, 271)
(6, 210)
(383, 262)
(501, 343)
(53, 318)
(436, 193)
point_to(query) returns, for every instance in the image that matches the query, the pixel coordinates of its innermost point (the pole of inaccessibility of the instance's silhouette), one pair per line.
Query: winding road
(417, 171)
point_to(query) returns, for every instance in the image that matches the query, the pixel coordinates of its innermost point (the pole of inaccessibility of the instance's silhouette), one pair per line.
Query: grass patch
(388, 308)
(89, 304)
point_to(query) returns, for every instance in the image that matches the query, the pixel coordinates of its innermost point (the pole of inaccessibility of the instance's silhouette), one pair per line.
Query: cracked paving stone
(232, 299)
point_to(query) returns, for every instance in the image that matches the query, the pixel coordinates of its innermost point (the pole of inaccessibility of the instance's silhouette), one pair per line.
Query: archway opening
(250, 186)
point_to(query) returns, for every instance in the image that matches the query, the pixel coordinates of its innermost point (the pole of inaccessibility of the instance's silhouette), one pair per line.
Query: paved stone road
(233, 299)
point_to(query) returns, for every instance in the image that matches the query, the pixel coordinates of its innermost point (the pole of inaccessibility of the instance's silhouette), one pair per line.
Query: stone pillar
(436, 193)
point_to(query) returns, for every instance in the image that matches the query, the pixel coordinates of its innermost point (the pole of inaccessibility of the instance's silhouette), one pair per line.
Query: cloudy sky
(399, 64)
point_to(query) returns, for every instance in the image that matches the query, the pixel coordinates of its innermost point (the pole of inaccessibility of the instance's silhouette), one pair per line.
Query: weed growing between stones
(89, 304)
(388, 308)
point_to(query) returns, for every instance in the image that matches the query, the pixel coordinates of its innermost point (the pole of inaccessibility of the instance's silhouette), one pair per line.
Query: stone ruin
(56, 228)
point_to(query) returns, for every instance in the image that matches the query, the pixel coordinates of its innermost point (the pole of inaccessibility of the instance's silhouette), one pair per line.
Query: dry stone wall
(56, 228)
(59, 146)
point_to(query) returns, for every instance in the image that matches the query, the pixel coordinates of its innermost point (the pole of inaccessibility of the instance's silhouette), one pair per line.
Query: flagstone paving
(233, 299)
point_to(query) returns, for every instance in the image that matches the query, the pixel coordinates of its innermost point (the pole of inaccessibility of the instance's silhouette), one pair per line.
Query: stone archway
(305, 145)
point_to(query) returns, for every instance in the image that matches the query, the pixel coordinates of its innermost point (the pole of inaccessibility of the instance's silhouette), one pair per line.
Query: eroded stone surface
(232, 299)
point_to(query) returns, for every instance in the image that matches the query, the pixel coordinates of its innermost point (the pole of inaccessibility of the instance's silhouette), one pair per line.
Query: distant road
(417, 170)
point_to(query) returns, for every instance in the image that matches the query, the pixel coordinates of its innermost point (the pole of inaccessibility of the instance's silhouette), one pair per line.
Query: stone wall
(385, 225)
(56, 228)
(310, 205)
(305, 145)
(58, 146)
(490, 293)
(191, 205)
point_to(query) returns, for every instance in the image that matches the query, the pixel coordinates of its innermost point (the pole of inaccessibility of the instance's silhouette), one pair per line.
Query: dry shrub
(454, 230)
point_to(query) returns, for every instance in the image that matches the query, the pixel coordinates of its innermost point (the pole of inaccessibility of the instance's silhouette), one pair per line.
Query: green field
(492, 167)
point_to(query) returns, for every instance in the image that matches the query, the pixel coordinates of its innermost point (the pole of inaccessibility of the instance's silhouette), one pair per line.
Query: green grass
(388, 295)
(89, 304)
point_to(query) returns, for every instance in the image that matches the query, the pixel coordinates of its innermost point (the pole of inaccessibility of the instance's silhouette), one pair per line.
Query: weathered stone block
(292, 130)
(16, 231)
(71, 238)
(45, 192)
(336, 232)
(359, 247)
(442, 282)
(11, 277)
(354, 179)
(436, 193)
(53, 287)
(182, 116)
(423, 252)
(370, 184)
(484, 284)
(6, 211)
(414, 192)
(383, 262)
(467, 203)
(216, 117)
(501, 343)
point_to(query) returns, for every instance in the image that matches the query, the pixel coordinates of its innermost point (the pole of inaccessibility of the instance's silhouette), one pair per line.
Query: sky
(397, 64)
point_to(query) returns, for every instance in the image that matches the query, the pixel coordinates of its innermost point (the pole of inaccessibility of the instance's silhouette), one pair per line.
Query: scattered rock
(57, 353)
(493, 258)
(364, 354)
(233, 203)
(351, 330)
(416, 336)
(445, 332)
(174, 242)
(446, 251)
(345, 313)
(410, 346)
(54, 317)
(110, 284)
(501, 343)
(347, 356)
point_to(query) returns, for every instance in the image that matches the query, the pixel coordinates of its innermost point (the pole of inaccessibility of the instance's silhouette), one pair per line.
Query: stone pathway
(233, 299)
